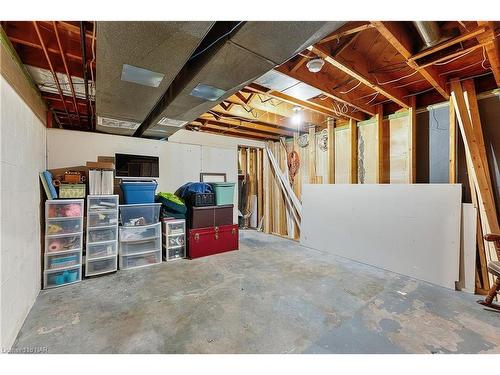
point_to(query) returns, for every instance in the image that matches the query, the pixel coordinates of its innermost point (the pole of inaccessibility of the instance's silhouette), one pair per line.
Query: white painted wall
(22, 157)
(182, 158)
(411, 229)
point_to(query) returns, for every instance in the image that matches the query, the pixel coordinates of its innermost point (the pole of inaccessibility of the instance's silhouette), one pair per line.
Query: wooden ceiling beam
(359, 71)
(240, 124)
(347, 29)
(320, 81)
(324, 110)
(213, 125)
(255, 115)
(397, 36)
(492, 49)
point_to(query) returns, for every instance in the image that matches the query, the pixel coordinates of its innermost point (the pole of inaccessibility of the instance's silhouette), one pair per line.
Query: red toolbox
(209, 241)
(210, 216)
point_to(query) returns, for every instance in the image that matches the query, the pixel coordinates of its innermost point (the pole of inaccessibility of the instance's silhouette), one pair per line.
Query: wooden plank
(472, 146)
(331, 151)
(240, 124)
(359, 70)
(312, 155)
(492, 49)
(452, 55)
(267, 180)
(291, 100)
(347, 29)
(260, 185)
(412, 141)
(382, 176)
(453, 144)
(449, 42)
(397, 36)
(353, 128)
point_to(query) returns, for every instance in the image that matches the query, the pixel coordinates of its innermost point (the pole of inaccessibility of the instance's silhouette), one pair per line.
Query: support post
(412, 140)
(331, 150)
(353, 127)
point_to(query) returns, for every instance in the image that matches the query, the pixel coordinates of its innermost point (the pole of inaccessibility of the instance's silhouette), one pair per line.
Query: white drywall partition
(413, 230)
(22, 158)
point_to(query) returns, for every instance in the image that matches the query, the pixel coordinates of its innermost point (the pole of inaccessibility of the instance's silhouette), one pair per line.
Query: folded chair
(494, 269)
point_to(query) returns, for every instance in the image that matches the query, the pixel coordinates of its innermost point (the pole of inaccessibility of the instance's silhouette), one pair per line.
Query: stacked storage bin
(140, 235)
(211, 228)
(63, 242)
(174, 239)
(102, 234)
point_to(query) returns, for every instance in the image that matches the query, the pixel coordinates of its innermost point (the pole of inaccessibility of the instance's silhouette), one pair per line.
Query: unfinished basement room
(250, 186)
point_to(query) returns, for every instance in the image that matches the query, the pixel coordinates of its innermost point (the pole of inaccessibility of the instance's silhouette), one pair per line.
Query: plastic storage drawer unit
(140, 247)
(101, 234)
(63, 208)
(98, 266)
(66, 225)
(146, 232)
(97, 203)
(102, 219)
(139, 214)
(142, 260)
(54, 278)
(135, 192)
(63, 260)
(64, 242)
(101, 249)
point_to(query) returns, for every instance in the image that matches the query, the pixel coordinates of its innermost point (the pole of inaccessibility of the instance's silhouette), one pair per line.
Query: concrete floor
(271, 296)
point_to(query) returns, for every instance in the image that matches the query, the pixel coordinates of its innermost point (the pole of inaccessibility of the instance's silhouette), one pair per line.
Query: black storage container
(201, 199)
(210, 216)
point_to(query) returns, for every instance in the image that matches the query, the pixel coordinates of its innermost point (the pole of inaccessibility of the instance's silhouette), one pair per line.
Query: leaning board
(412, 229)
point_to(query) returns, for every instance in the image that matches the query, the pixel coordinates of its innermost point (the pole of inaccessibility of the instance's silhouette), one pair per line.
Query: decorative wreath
(323, 140)
(293, 160)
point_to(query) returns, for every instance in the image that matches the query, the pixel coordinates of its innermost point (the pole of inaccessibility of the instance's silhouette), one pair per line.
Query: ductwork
(249, 51)
(429, 32)
(127, 47)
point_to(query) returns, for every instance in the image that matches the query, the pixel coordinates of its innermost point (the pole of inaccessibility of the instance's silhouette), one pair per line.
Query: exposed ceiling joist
(253, 114)
(359, 70)
(347, 29)
(397, 36)
(213, 125)
(289, 99)
(492, 49)
(225, 120)
(320, 82)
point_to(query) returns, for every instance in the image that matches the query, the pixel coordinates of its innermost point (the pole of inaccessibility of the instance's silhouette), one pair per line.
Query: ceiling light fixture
(207, 92)
(315, 65)
(141, 76)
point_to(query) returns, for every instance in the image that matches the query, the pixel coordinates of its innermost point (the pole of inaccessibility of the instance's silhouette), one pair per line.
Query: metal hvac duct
(429, 32)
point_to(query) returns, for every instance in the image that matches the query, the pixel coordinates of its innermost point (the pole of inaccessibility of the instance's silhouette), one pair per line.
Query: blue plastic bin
(135, 192)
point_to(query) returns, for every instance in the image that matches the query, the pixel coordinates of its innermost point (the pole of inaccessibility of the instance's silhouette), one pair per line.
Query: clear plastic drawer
(139, 247)
(102, 219)
(98, 266)
(55, 244)
(139, 214)
(140, 233)
(98, 203)
(174, 253)
(134, 261)
(101, 234)
(64, 208)
(67, 225)
(173, 227)
(55, 278)
(63, 260)
(103, 249)
(175, 240)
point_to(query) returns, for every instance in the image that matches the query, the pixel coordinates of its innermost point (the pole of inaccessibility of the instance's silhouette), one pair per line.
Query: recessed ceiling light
(207, 92)
(315, 65)
(114, 123)
(171, 122)
(141, 76)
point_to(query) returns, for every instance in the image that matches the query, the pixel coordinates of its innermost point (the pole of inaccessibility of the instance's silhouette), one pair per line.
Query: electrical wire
(374, 97)
(351, 89)
(455, 58)
(395, 80)
(409, 83)
(215, 41)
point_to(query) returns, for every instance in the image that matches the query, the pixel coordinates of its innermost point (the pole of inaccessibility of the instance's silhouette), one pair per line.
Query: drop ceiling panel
(160, 47)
